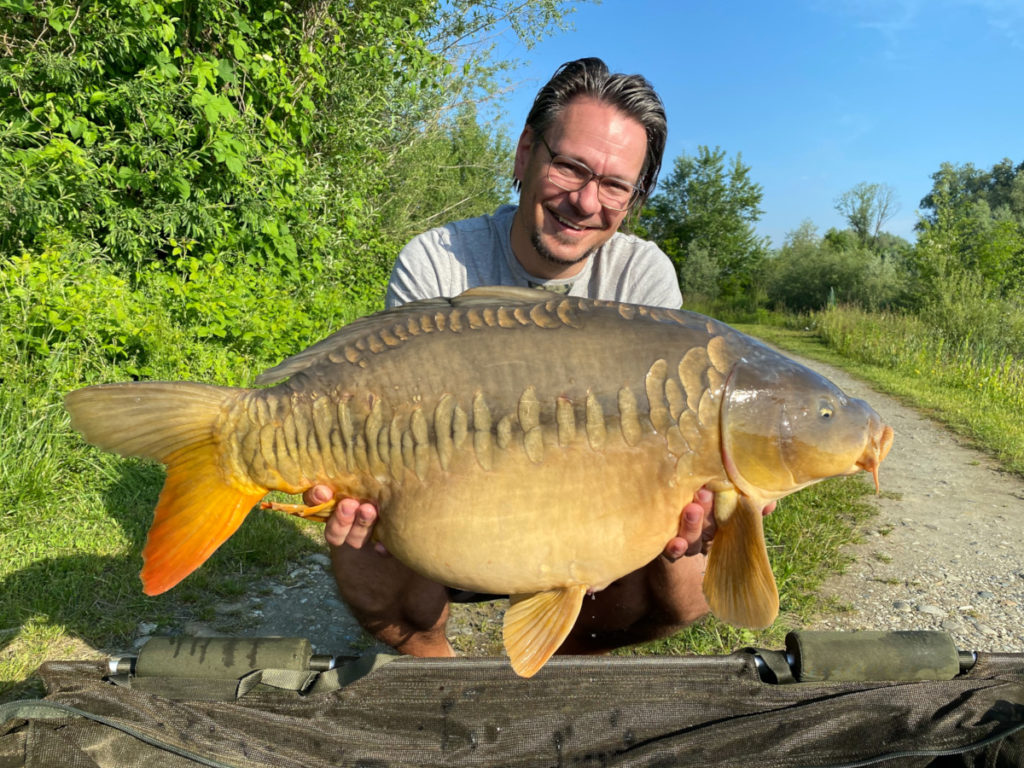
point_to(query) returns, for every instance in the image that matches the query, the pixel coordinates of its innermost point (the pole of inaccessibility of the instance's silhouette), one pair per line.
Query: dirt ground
(947, 548)
(945, 552)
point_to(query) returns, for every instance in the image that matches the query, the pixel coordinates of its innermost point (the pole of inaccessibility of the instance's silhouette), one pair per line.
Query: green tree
(973, 225)
(703, 217)
(866, 208)
(256, 132)
(157, 132)
(456, 168)
(954, 186)
(809, 272)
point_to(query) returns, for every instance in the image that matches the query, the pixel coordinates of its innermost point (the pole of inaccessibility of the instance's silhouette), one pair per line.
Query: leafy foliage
(147, 124)
(974, 227)
(703, 218)
(811, 272)
(866, 207)
(455, 167)
(965, 277)
(259, 133)
(1001, 189)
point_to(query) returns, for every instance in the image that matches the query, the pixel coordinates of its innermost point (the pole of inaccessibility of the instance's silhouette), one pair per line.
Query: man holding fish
(588, 156)
(514, 441)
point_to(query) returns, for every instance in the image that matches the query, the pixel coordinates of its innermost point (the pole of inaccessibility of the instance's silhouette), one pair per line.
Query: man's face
(555, 230)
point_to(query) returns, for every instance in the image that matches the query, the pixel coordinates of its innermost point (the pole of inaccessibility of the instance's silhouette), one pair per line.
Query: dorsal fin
(494, 295)
(362, 326)
(372, 324)
(366, 328)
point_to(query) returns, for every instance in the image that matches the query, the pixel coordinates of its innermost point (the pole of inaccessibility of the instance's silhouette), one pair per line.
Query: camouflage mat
(242, 704)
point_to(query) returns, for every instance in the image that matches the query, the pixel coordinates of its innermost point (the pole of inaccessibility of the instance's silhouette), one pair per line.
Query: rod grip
(872, 655)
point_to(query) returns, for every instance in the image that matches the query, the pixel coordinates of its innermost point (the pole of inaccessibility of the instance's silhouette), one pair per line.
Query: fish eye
(826, 411)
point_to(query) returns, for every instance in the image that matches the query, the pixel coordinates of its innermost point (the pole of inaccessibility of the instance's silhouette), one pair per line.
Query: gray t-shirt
(466, 254)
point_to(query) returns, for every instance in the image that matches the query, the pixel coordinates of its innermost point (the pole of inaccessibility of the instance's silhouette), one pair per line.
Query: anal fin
(739, 584)
(537, 624)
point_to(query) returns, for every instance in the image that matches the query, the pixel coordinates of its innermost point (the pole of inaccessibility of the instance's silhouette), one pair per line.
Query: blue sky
(817, 95)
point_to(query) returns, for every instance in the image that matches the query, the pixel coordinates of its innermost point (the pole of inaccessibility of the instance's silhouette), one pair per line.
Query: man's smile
(567, 223)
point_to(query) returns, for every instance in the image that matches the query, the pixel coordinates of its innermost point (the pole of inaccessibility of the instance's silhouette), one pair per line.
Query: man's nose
(586, 198)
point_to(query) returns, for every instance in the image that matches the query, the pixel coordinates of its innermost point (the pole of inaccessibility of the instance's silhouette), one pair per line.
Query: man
(589, 155)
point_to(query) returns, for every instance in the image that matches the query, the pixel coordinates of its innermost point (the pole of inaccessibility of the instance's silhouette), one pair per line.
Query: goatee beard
(549, 257)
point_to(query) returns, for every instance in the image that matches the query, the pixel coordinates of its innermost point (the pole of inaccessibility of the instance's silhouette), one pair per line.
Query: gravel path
(945, 552)
(947, 548)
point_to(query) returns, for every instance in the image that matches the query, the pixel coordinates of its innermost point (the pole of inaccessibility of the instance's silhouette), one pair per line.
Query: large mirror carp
(569, 431)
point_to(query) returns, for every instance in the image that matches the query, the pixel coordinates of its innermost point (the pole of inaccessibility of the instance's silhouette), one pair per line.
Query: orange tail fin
(197, 512)
(201, 503)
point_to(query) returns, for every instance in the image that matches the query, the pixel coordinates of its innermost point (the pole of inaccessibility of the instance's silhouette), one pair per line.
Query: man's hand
(350, 523)
(697, 527)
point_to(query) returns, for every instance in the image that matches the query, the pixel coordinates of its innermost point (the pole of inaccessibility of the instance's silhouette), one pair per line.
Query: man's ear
(524, 149)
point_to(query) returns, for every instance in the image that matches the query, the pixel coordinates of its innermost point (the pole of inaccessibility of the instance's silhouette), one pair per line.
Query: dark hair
(631, 94)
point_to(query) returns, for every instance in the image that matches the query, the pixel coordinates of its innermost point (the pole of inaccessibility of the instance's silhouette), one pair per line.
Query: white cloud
(1005, 16)
(892, 19)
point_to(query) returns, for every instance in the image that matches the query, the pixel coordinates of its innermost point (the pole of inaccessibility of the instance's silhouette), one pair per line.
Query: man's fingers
(318, 494)
(340, 522)
(362, 527)
(690, 540)
(705, 498)
(351, 523)
(675, 549)
(695, 517)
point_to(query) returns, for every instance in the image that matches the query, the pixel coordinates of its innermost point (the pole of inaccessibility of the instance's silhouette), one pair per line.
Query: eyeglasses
(613, 193)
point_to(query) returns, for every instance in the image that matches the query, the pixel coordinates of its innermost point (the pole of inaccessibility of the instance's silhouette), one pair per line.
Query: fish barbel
(468, 420)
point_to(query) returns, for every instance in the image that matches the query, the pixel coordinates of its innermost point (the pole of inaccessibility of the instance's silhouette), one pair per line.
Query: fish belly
(580, 516)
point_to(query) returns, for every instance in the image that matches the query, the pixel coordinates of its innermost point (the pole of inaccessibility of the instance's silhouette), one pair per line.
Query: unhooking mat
(244, 702)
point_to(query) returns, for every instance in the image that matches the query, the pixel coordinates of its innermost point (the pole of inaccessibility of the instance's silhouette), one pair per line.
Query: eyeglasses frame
(637, 191)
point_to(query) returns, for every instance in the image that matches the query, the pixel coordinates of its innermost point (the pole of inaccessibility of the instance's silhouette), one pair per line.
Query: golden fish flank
(467, 420)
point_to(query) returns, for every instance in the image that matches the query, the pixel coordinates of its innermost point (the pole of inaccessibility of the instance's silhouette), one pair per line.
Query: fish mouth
(876, 451)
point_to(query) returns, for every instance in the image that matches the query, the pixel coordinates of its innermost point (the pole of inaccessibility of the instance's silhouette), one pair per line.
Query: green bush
(62, 296)
(809, 273)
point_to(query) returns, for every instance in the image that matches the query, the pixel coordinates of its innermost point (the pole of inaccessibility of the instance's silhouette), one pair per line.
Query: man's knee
(654, 602)
(396, 605)
(368, 581)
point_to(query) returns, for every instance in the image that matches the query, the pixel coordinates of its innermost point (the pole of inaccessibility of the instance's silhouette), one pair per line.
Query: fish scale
(663, 395)
(514, 443)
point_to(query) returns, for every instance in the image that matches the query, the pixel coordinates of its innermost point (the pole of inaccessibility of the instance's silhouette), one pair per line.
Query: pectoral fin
(739, 584)
(536, 625)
